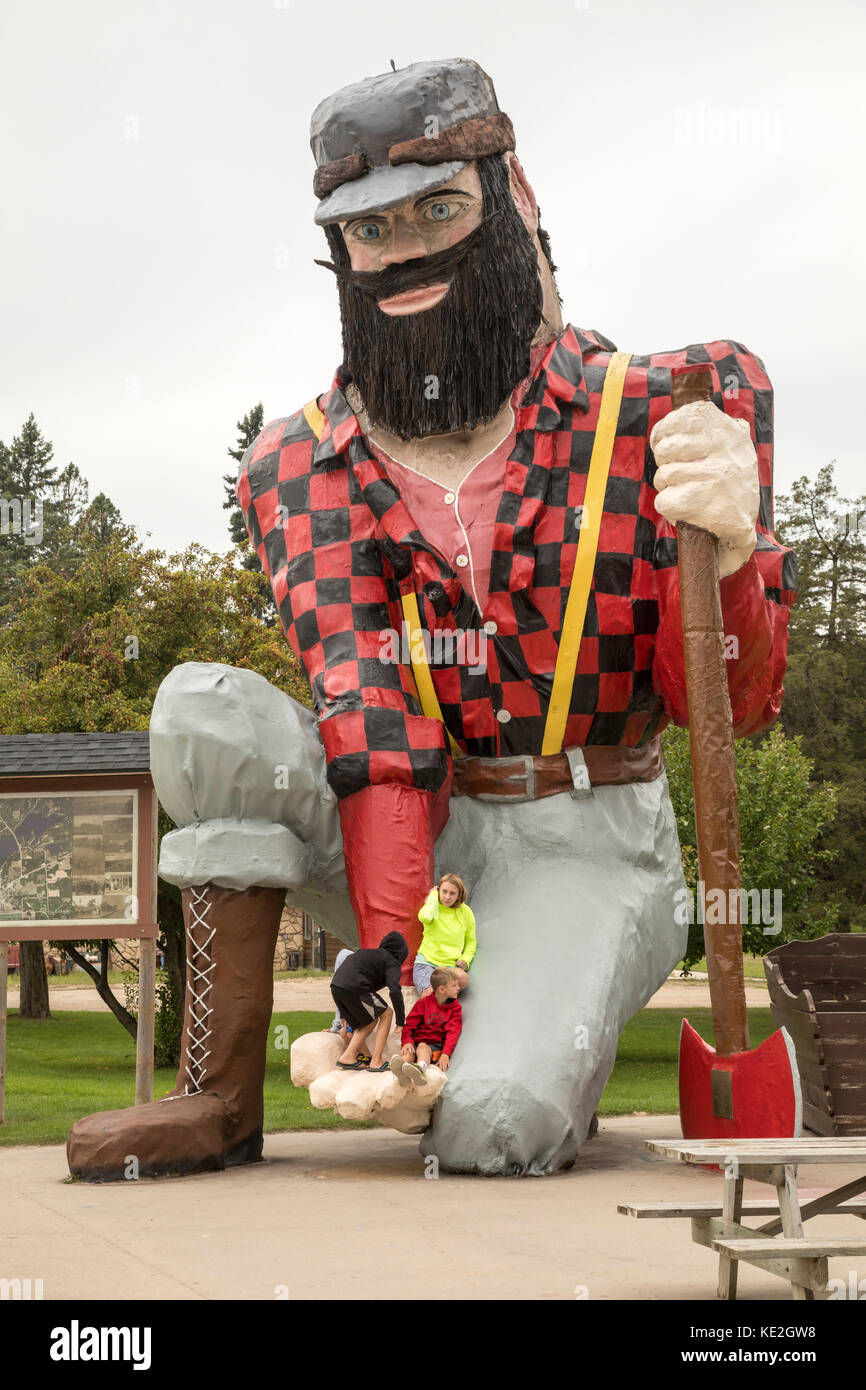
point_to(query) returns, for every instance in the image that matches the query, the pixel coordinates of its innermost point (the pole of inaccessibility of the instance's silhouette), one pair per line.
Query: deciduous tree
(782, 817)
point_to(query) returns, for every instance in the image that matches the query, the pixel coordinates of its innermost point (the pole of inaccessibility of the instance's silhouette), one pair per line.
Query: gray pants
(574, 901)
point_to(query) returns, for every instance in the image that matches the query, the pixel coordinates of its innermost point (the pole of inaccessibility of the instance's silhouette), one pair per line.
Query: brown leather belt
(529, 779)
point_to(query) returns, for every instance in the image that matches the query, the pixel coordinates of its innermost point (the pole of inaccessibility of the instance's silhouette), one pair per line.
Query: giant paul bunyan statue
(476, 469)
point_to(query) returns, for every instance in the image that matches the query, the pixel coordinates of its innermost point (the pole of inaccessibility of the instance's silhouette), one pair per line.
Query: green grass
(645, 1075)
(77, 979)
(75, 1063)
(753, 968)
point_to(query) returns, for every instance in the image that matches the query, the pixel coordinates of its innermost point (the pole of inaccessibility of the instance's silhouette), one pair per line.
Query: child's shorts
(358, 1009)
(421, 972)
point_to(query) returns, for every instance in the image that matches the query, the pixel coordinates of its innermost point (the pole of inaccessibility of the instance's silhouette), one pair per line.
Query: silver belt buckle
(580, 783)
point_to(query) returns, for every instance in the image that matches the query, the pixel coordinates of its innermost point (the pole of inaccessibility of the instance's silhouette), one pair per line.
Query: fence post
(4, 980)
(146, 1020)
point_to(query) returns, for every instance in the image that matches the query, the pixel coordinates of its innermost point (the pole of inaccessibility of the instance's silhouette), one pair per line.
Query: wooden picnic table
(779, 1246)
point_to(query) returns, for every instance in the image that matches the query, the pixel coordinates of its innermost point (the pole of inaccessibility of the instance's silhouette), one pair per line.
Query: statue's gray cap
(371, 116)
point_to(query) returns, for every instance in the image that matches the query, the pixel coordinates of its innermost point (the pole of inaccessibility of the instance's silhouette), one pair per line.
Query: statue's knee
(209, 703)
(199, 694)
(225, 744)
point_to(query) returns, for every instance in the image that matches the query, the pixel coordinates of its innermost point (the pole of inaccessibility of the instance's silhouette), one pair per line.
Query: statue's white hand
(708, 475)
(362, 1095)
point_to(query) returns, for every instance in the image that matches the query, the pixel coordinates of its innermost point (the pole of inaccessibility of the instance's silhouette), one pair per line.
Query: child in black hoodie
(354, 990)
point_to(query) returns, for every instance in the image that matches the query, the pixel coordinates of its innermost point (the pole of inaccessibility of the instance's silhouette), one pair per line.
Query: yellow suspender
(314, 418)
(423, 679)
(587, 546)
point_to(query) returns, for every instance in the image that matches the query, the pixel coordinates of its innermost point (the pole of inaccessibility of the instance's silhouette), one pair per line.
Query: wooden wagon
(818, 992)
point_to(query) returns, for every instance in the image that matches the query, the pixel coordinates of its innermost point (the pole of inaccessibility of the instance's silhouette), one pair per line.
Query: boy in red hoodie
(430, 1031)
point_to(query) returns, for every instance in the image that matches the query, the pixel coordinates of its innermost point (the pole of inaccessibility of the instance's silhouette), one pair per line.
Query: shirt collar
(341, 425)
(556, 379)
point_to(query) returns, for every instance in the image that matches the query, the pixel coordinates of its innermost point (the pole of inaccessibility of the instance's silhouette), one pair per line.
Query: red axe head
(748, 1095)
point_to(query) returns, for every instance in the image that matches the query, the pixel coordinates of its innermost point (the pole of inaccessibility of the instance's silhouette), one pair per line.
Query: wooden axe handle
(711, 736)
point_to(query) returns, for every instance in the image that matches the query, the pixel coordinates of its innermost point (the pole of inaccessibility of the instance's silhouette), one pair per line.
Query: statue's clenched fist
(708, 475)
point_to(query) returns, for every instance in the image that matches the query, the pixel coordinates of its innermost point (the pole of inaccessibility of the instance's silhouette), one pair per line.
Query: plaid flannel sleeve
(316, 538)
(756, 599)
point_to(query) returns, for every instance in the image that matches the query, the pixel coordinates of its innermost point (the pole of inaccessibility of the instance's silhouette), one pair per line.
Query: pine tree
(31, 457)
(249, 428)
(28, 479)
(10, 548)
(101, 522)
(71, 492)
(5, 471)
(62, 548)
(45, 516)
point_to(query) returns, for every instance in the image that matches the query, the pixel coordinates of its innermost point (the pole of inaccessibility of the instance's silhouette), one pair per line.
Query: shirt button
(463, 561)
(449, 497)
(503, 716)
(491, 629)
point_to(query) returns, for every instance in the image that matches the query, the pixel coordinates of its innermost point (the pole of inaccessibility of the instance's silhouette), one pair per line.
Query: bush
(782, 815)
(168, 1024)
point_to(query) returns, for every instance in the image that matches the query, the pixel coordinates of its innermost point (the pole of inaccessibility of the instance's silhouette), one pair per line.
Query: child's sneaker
(415, 1073)
(396, 1064)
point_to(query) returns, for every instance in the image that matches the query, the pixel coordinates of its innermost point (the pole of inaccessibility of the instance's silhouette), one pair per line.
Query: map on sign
(69, 858)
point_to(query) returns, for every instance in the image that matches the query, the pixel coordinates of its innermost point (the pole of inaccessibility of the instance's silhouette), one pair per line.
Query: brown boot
(213, 1117)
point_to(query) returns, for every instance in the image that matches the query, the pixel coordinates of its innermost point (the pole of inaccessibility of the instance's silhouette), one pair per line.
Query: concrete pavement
(298, 1224)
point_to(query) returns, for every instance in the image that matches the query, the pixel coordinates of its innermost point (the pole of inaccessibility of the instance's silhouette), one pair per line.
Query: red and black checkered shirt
(340, 547)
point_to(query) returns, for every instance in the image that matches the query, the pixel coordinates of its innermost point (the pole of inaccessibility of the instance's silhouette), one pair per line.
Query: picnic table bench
(779, 1246)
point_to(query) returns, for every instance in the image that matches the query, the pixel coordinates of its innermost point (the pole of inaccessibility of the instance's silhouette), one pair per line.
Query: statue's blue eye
(369, 231)
(440, 212)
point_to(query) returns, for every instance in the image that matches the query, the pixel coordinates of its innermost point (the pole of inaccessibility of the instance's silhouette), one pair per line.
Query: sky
(698, 166)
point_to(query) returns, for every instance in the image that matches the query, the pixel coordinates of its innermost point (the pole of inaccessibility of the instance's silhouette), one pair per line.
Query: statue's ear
(521, 192)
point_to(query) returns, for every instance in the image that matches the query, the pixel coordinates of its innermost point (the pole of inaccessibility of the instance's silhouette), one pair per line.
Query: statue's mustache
(410, 275)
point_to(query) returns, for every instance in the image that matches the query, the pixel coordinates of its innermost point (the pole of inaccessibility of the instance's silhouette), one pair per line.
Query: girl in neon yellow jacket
(449, 932)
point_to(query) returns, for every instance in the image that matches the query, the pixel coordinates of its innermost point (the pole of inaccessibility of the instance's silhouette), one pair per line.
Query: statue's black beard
(452, 366)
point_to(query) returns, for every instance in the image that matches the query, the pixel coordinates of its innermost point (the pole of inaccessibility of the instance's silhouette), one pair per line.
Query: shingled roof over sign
(44, 755)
